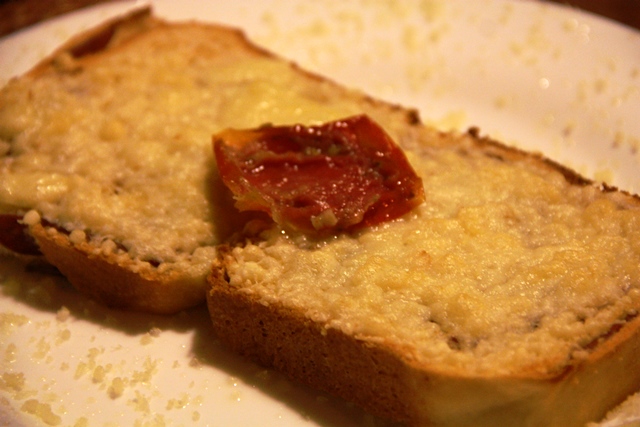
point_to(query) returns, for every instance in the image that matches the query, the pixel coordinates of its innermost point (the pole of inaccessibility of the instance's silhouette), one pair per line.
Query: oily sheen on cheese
(158, 185)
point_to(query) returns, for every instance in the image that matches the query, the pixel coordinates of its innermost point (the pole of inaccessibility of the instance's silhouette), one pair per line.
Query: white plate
(538, 76)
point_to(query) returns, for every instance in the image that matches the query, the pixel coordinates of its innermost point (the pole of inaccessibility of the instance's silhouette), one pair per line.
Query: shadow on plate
(41, 287)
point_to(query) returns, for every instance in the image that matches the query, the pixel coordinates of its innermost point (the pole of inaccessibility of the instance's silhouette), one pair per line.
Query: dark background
(16, 14)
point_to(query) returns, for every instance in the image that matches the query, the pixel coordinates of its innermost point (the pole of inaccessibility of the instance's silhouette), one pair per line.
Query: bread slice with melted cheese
(510, 297)
(105, 151)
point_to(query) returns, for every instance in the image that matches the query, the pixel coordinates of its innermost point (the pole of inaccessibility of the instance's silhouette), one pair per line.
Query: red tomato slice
(341, 175)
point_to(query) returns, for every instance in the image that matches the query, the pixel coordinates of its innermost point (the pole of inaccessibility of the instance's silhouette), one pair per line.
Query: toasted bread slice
(106, 145)
(510, 297)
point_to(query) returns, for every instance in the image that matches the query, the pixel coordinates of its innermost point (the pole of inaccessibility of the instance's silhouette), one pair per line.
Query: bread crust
(276, 336)
(116, 281)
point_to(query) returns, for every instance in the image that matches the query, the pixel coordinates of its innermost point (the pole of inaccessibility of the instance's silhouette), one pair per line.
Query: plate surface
(538, 76)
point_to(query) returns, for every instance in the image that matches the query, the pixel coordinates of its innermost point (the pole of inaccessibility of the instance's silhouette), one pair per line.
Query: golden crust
(279, 337)
(116, 281)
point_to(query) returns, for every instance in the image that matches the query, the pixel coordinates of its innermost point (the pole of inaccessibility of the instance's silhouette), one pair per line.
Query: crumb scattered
(63, 335)
(63, 314)
(146, 339)
(570, 24)
(194, 362)
(13, 382)
(10, 353)
(432, 10)
(42, 349)
(81, 369)
(501, 102)
(140, 403)
(150, 367)
(9, 321)
(42, 411)
(100, 372)
(600, 85)
(236, 396)
(180, 403)
(568, 129)
(116, 389)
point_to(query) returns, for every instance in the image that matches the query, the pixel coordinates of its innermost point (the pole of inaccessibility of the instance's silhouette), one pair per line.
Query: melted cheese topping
(504, 266)
(121, 147)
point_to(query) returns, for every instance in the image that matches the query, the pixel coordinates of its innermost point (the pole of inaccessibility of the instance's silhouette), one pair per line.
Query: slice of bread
(509, 297)
(106, 152)
(105, 148)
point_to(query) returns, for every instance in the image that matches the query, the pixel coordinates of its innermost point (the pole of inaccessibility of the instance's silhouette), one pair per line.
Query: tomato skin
(342, 175)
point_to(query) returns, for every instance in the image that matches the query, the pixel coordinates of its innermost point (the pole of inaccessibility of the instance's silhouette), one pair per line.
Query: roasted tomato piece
(341, 175)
